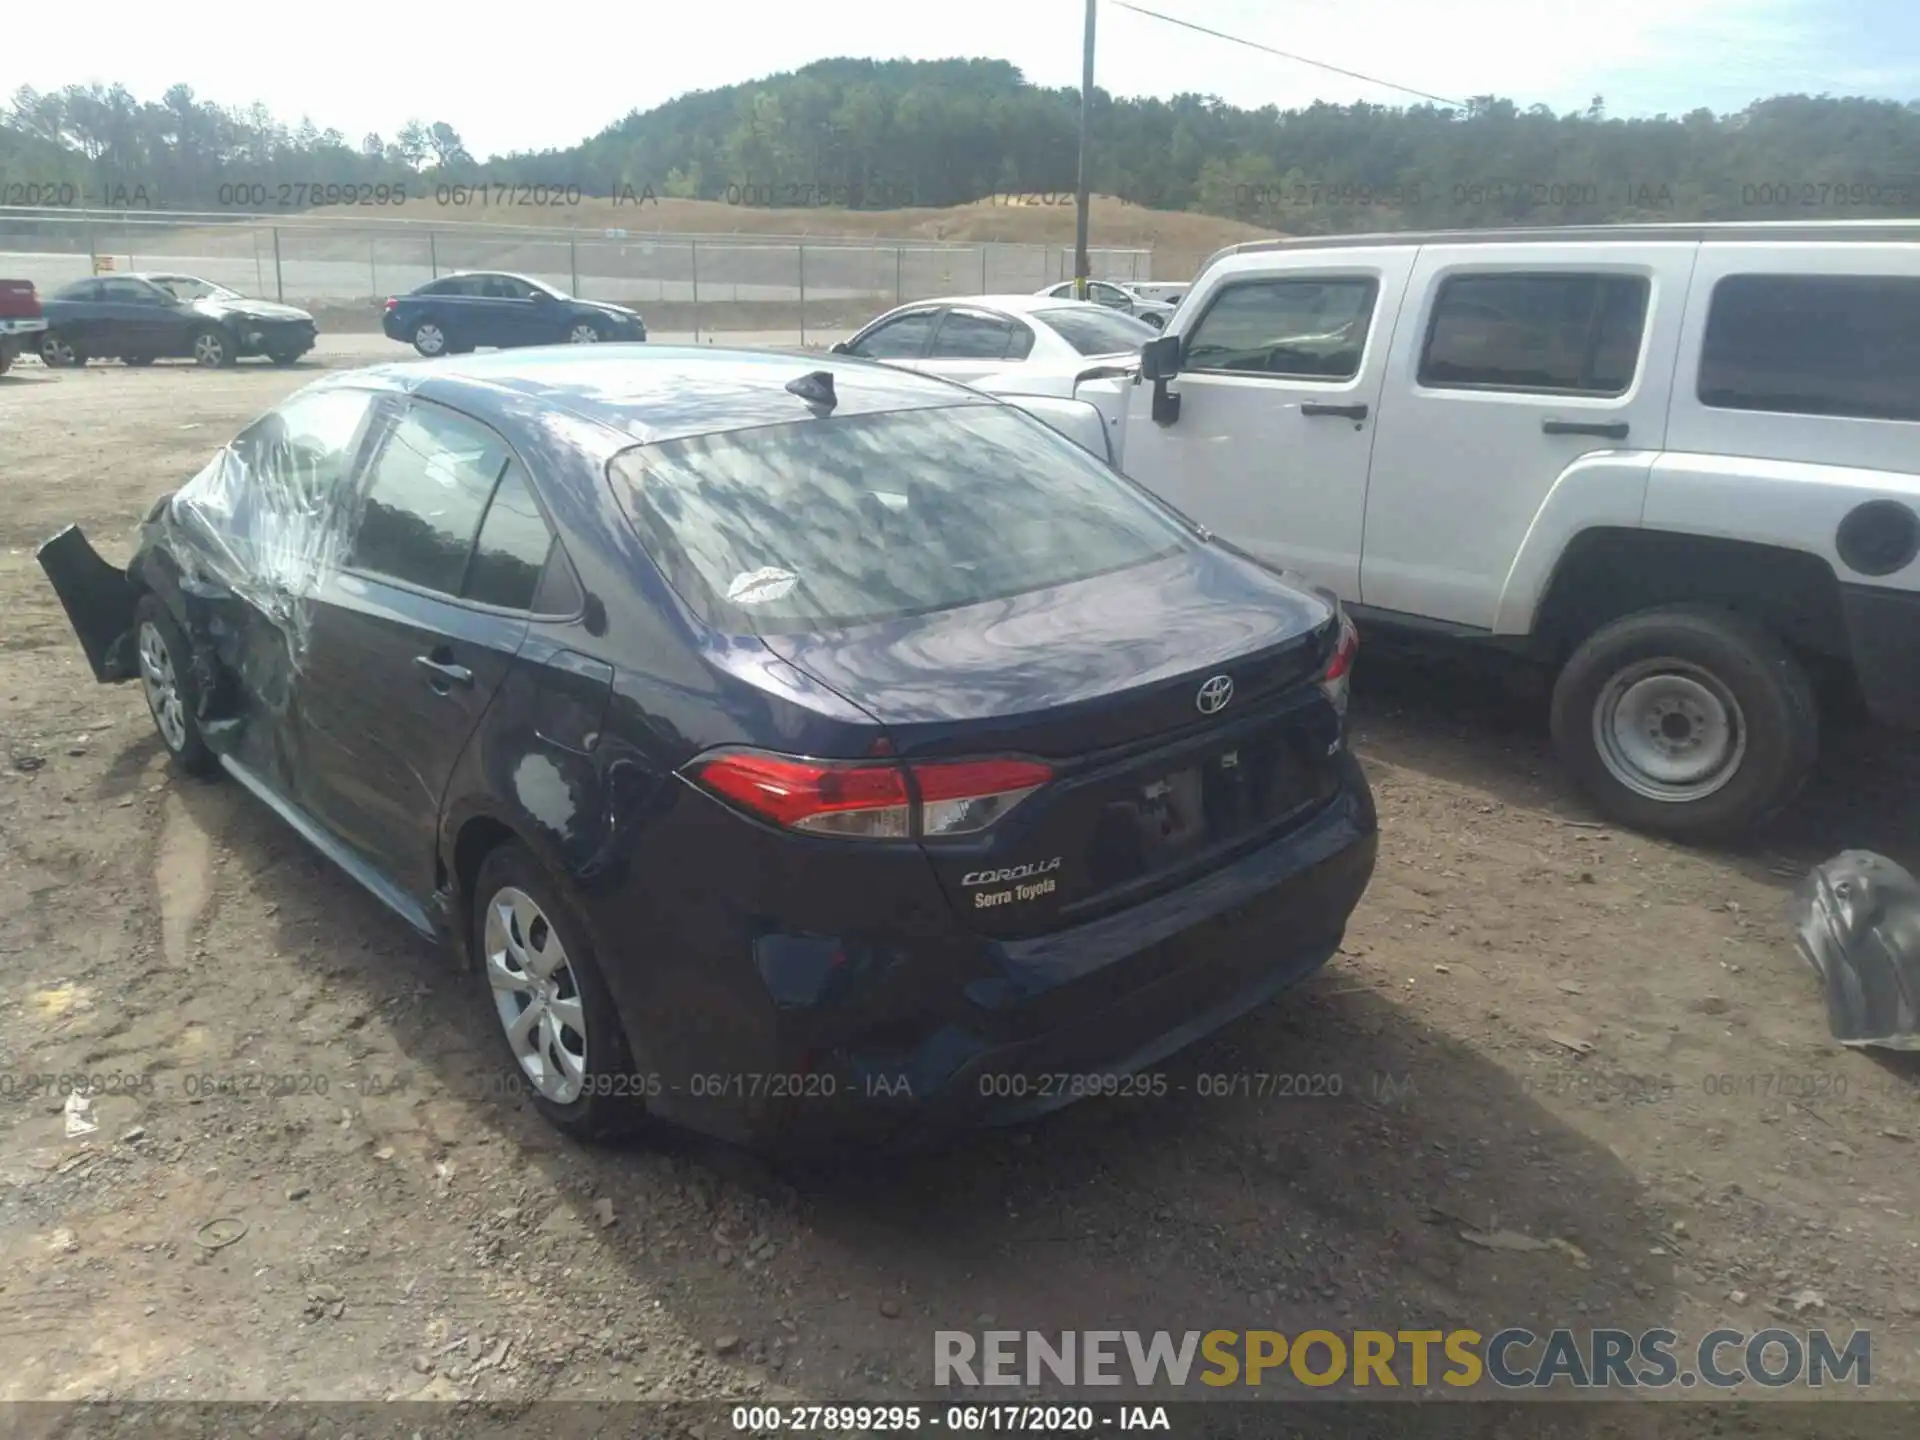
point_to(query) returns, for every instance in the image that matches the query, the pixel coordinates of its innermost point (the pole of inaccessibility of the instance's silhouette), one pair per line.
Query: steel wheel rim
(584, 334)
(163, 687)
(1669, 731)
(429, 340)
(536, 995)
(208, 350)
(56, 350)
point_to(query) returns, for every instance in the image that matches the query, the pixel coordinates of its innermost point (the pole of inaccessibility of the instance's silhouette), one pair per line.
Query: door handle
(1610, 430)
(1345, 412)
(443, 675)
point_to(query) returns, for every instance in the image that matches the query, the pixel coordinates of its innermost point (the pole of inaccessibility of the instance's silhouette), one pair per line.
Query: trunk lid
(1103, 680)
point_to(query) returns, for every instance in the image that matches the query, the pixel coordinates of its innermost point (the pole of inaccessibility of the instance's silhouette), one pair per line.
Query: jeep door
(1522, 372)
(1281, 368)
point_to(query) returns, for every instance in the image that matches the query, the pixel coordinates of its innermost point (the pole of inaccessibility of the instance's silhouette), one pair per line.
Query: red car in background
(20, 318)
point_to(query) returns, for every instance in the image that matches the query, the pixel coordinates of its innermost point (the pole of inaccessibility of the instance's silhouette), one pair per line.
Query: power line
(1297, 59)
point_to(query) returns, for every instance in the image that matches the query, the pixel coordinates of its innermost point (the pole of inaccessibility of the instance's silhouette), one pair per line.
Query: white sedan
(1015, 341)
(1127, 299)
(1031, 349)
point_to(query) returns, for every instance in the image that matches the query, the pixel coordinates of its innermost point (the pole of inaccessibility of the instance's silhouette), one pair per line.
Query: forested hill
(886, 134)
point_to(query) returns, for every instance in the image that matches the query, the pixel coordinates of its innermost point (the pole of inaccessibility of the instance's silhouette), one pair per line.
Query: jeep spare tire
(1690, 722)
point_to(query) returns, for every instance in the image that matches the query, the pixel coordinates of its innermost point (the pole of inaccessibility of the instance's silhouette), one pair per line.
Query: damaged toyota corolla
(790, 753)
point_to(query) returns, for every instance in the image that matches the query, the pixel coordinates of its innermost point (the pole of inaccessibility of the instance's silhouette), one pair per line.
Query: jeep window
(1844, 345)
(1560, 334)
(1308, 329)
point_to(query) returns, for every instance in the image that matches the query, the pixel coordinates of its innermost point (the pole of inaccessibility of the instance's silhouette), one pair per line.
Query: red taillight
(962, 796)
(1343, 652)
(871, 801)
(1334, 679)
(391, 302)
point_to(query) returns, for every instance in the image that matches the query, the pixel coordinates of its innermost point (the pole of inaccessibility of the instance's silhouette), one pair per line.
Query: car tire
(57, 351)
(584, 332)
(166, 679)
(7, 354)
(136, 360)
(1688, 721)
(519, 914)
(430, 338)
(212, 348)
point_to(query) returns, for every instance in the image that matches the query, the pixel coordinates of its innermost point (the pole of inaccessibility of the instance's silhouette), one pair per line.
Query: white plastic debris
(80, 1119)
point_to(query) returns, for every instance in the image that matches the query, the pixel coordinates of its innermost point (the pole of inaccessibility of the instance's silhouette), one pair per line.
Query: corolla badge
(1214, 695)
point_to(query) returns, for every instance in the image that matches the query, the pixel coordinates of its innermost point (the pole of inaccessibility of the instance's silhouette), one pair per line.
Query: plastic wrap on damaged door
(267, 518)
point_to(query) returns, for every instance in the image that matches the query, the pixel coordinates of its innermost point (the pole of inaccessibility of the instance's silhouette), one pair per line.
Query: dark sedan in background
(147, 317)
(790, 751)
(459, 313)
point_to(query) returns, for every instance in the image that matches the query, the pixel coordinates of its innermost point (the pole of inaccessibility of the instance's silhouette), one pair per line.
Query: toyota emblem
(1214, 695)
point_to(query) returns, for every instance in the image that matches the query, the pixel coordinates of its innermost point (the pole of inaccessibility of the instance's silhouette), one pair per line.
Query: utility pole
(1080, 262)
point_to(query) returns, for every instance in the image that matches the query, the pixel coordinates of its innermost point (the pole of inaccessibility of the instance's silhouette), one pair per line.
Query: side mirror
(1159, 363)
(1160, 358)
(840, 347)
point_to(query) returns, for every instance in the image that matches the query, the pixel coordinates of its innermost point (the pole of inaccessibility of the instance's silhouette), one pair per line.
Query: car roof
(1682, 231)
(1012, 304)
(651, 393)
(470, 274)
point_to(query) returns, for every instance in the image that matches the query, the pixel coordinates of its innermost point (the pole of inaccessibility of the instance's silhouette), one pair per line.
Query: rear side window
(1814, 345)
(970, 337)
(1563, 334)
(831, 522)
(79, 290)
(901, 339)
(1097, 331)
(428, 490)
(512, 549)
(1307, 329)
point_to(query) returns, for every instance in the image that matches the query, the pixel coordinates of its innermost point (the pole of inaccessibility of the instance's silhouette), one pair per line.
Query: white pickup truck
(1678, 466)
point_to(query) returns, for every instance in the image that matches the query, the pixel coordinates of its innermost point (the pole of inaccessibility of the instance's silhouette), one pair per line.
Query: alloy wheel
(536, 994)
(162, 687)
(209, 348)
(429, 339)
(56, 349)
(583, 334)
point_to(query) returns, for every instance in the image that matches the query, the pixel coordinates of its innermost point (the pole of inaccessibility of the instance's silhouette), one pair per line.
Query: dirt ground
(1538, 1024)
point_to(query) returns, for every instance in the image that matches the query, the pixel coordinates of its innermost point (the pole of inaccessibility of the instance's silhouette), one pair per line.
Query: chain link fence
(342, 269)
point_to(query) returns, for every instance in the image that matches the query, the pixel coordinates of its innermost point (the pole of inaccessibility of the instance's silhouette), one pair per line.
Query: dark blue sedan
(478, 309)
(792, 749)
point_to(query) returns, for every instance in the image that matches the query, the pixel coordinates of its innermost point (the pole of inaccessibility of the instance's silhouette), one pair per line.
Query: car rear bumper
(1003, 1047)
(1883, 632)
(18, 326)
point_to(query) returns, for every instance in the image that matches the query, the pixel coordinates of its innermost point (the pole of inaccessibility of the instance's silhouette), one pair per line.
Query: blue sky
(523, 77)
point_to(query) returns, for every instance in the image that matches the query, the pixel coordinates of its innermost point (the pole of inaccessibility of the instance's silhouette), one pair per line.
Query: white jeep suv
(1677, 464)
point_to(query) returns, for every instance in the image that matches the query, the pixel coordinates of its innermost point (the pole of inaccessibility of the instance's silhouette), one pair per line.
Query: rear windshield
(830, 522)
(1097, 332)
